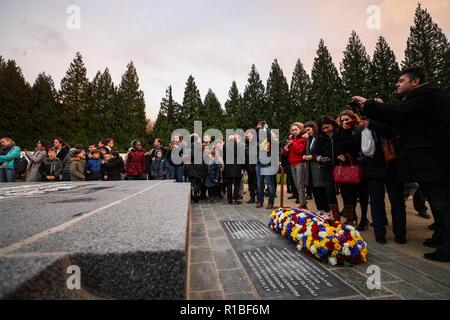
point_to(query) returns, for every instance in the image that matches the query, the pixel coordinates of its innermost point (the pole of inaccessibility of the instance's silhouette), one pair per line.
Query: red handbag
(348, 174)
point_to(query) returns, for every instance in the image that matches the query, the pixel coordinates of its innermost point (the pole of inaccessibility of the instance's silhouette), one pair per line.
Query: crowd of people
(384, 142)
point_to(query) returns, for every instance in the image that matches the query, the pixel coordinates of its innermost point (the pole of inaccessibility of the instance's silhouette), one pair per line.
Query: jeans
(377, 205)
(298, 174)
(7, 175)
(176, 173)
(261, 180)
(437, 195)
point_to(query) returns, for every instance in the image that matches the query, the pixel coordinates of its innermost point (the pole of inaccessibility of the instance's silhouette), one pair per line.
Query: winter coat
(61, 155)
(160, 168)
(113, 169)
(34, 164)
(296, 151)
(196, 170)
(77, 166)
(313, 170)
(376, 167)
(136, 164)
(232, 169)
(50, 168)
(178, 148)
(9, 158)
(213, 173)
(250, 164)
(94, 169)
(421, 133)
(66, 175)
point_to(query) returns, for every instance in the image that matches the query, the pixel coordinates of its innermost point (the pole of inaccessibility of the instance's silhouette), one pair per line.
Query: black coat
(232, 168)
(196, 170)
(113, 169)
(421, 131)
(376, 167)
(330, 147)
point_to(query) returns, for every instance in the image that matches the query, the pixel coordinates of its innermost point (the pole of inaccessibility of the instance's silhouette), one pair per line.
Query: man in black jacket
(421, 130)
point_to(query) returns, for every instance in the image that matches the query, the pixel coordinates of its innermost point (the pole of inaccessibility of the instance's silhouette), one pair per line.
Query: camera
(355, 106)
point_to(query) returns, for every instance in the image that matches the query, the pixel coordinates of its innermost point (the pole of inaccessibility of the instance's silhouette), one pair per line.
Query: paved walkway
(215, 271)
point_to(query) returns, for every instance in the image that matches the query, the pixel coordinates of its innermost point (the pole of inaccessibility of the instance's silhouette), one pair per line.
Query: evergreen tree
(74, 95)
(102, 109)
(355, 68)
(327, 94)
(16, 106)
(426, 45)
(233, 108)
(277, 105)
(167, 120)
(47, 115)
(214, 113)
(384, 72)
(253, 101)
(444, 76)
(192, 108)
(131, 117)
(299, 94)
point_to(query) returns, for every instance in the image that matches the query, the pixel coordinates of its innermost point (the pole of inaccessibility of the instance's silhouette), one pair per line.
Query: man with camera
(421, 131)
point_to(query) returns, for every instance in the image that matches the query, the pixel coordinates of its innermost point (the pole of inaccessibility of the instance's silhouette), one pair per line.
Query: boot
(303, 206)
(349, 215)
(335, 211)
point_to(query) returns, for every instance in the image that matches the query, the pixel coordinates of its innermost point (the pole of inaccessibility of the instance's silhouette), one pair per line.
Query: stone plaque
(277, 269)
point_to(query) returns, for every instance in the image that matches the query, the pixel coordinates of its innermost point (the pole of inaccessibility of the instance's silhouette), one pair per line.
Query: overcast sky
(214, 40)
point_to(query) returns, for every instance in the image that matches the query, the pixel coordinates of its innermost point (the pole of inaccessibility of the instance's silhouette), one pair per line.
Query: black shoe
(251, 201)
(432, 226)
(380, 240)
(237, 202)
(292, 197)
(438, 255)
(424, 214)
(400, 240)
(297, 201)
(309, 197)
(432, 243)
(230, 202)
(363, 226)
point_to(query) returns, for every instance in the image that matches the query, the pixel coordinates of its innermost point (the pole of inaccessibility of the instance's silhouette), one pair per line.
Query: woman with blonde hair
(9, 152)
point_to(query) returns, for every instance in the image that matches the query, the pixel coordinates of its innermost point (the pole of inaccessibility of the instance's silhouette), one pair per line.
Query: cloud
(44, 38)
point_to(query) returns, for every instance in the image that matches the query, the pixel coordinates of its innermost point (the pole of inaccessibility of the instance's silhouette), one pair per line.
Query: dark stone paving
(227, 232)
(127, 239)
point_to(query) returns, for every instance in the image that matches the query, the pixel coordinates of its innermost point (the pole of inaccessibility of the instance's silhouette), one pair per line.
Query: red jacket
(136, 164)
(296, 151)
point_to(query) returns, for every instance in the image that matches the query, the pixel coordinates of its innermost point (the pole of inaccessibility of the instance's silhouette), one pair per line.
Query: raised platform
(127, 238)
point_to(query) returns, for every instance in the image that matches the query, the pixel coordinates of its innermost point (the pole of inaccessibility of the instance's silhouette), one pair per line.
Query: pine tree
(277, 105)
(131, 117)
(444, 76)
(233, 108)
(299, 94)
(327, 94)
(102, 109)
(214, 112)
(355, 68)
(253, 101)
(167, 120)
(192, 108)
(46, 112)
(426, 45)
(74, 95)
(384, 72)
(16, 106)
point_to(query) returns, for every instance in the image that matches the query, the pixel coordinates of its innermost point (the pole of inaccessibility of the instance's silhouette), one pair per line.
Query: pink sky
(215, 41)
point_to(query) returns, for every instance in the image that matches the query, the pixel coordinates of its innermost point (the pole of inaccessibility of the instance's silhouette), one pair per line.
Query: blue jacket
(94, 166)
(10, 157)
